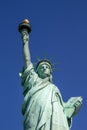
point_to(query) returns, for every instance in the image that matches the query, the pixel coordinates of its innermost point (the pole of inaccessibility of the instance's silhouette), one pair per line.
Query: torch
(25, 28)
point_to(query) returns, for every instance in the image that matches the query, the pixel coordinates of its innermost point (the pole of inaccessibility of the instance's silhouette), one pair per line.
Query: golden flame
(25, 21)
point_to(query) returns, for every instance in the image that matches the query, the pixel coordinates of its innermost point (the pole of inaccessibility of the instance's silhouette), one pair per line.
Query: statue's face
(44, 70)
(25, 36)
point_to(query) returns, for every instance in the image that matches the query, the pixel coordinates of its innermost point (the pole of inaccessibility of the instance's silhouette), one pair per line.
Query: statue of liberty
(43, 107)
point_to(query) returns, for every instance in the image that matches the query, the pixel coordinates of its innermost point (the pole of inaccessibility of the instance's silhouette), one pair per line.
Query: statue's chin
(44, 76)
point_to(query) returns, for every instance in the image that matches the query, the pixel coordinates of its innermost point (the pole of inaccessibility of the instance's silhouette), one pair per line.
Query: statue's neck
(46, 79)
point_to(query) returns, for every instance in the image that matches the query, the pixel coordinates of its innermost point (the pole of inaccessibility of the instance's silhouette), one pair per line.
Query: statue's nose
(44, 67)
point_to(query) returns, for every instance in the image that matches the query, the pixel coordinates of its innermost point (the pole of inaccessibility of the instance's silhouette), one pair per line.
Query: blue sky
(59, 30)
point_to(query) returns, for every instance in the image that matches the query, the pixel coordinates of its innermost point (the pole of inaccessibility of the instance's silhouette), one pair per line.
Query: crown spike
(44, 57)
(51, 58)
(38, 59)
(56, 63)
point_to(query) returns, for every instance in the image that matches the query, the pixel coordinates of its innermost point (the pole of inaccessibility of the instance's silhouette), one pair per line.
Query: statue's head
(44, 69)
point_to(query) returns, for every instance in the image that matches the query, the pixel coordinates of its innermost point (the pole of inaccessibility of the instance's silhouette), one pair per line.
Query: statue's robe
(43, 105)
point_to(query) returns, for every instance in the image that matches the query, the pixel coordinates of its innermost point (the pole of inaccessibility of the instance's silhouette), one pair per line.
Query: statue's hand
(25, 36)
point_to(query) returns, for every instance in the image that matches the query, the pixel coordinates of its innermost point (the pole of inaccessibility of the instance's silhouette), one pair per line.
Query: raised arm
(25, 29)
(26, 51)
